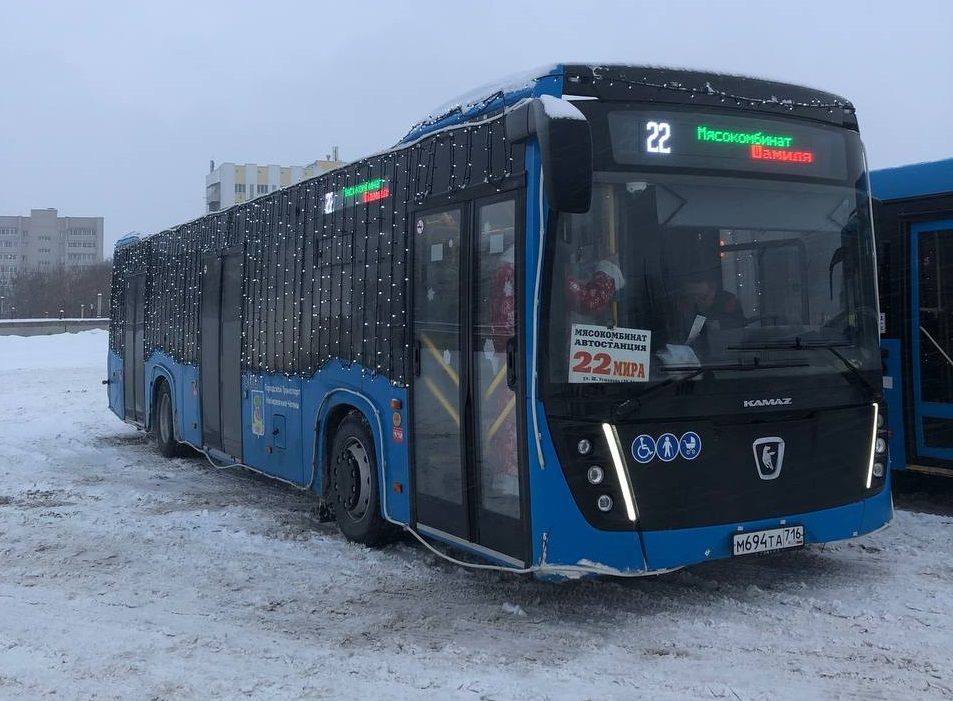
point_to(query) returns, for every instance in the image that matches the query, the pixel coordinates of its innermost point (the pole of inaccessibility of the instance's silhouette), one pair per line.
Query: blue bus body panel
(893, 395)
(914, 180)
(287, 438)
(272, 426)
(184, 381)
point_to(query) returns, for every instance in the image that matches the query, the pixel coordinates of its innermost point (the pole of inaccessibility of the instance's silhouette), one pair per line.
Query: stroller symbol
(690, 445)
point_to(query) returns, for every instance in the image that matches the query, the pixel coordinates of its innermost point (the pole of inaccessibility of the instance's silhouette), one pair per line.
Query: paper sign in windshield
(600, 354)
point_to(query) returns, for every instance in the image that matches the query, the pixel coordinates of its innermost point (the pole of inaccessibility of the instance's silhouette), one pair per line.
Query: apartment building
(230, 184)
(44, 240)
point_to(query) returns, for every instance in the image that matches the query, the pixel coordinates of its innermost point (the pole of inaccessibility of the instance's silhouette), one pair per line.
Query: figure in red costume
(503, 307)
(592, 295)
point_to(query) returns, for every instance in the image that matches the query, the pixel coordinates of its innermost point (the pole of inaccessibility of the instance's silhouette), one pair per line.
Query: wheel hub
(352, 477)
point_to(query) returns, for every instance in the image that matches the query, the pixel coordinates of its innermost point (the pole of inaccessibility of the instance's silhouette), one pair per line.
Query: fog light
(880, 446)
(584, 446)
(878, 470)
(595, 474)
(604, 503)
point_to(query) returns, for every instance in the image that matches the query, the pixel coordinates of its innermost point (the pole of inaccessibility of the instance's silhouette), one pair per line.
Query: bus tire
(165, 424)
(354, 486)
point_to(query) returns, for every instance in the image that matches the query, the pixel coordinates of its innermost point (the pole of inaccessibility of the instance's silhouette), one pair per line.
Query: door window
(494, 330)
(437, 422)
(936, 315)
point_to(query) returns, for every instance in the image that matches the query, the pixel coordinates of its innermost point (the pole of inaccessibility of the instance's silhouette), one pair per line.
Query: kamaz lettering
(777, 401)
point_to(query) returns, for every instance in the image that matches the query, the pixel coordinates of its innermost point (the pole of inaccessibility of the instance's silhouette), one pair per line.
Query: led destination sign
(763, 147)
(726, 143)
(362, 193)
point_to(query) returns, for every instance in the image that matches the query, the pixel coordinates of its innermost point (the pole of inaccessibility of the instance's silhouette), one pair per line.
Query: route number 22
(657, 140)
(597, 364)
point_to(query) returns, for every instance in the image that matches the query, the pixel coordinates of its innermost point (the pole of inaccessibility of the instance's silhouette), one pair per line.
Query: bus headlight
(595, 474)
(878, 470)
(880, 447)
(604, 503)
(584, 446)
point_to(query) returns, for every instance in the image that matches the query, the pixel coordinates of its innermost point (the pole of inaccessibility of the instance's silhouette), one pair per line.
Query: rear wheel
(164, 426)
(354, 489)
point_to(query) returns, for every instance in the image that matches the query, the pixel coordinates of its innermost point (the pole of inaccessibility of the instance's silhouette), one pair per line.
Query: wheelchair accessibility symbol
(643, 448)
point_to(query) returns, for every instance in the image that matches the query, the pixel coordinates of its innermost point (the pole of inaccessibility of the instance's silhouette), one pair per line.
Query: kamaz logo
(777, 401)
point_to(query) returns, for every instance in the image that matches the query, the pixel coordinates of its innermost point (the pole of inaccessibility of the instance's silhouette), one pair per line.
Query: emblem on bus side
(768, 456)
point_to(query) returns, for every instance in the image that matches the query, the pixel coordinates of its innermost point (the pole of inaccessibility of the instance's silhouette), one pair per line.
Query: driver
(704, 298)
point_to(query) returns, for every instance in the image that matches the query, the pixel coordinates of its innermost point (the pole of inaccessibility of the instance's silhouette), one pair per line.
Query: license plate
(767, 541)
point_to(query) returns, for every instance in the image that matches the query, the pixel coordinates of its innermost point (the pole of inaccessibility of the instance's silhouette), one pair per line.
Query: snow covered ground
(128, 576)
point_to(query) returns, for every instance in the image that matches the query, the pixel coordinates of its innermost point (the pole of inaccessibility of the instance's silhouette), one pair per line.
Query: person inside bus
(705, 299)
(590, 291)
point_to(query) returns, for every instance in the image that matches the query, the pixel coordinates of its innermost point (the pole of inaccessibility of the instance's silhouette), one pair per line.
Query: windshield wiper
(630, 406)
(855, 374)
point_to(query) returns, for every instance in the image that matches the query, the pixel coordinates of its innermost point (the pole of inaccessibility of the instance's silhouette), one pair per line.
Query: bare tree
(44, 293)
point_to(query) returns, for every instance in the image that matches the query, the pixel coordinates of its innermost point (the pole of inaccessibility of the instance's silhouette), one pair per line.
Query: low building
(44, 241)
(230, 184)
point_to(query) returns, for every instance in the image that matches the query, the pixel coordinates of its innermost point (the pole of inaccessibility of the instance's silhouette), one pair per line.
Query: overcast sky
(114, 109)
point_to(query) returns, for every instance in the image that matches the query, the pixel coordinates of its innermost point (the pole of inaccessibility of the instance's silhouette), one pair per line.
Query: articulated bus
(593, 320)
(914, 225)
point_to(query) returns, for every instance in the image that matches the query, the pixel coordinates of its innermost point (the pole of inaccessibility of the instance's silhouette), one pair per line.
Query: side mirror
(565, 146)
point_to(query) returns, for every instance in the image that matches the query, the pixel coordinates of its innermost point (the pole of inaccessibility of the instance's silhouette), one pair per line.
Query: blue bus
(596, 319)
(914, 225)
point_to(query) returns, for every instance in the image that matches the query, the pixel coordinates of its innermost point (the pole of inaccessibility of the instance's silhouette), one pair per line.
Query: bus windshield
(668, 275)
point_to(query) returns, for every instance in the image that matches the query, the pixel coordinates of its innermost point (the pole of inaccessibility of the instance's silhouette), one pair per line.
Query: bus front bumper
(665, 550)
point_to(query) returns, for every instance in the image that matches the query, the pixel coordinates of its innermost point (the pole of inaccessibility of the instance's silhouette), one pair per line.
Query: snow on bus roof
(514, 82)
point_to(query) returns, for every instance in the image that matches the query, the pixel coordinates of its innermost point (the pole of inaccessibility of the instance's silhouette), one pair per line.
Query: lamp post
(99, 305)
(82, 311)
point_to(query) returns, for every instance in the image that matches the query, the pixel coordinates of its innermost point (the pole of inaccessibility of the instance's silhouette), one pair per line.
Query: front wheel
(164, 426)
(354, 489)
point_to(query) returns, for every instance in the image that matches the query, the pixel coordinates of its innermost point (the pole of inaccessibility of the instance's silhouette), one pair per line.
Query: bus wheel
(354, 490)
(165, 433)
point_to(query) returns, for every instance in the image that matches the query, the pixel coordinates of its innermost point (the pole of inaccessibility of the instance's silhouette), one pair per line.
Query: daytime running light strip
(873, 447)
(612, 438)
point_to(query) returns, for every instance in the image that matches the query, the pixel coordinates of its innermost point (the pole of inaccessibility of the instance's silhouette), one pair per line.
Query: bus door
(221, 337)
(133, 378)
(465, 435)
(931, 331)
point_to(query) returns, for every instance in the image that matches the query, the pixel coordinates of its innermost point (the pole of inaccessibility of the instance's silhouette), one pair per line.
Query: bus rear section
(914, 225)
